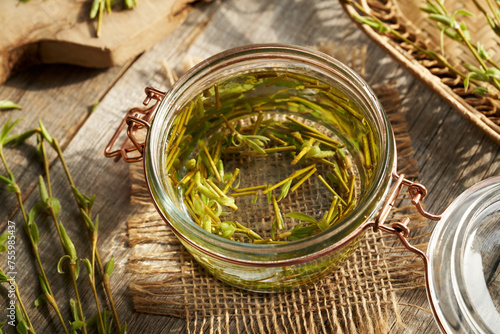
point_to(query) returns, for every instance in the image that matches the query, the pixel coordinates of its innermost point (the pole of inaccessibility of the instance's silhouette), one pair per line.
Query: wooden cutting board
(59, 31)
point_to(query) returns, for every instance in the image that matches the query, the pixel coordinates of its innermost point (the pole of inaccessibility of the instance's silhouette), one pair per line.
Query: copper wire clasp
(138, 122)
(417, 193)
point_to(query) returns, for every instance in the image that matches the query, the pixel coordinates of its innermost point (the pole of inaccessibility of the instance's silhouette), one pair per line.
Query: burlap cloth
(356, 298)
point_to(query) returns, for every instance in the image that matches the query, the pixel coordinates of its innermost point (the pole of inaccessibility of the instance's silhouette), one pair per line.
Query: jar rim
(373, 197)
(457, 282)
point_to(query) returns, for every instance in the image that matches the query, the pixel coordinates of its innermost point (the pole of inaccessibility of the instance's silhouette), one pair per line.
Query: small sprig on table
(449, 26)
(30, 226)
(51, 206)
(8, 105)
(473, 76)
(100, 6)
(23, 321)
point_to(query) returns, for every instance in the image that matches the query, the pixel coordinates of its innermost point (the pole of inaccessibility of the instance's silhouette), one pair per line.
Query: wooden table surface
(452, 155)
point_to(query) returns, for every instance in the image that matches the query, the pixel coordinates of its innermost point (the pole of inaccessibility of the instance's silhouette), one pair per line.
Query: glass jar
(464, 261)
(279, 84)
(300, 83)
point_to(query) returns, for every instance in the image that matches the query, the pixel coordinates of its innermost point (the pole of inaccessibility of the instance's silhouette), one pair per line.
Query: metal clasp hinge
(138, 122)
(417, 193)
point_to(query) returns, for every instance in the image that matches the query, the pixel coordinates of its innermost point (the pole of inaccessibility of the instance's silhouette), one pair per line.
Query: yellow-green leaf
(68, 244)
(6, 105)
(110, 266)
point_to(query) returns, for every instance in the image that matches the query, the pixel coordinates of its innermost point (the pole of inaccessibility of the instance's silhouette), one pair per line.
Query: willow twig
(85, 206)
(30, 226)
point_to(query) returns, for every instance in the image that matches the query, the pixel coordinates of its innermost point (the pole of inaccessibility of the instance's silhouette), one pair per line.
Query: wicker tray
(406, 17)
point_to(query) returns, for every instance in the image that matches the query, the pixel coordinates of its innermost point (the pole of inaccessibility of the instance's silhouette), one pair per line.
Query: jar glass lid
(464, 261)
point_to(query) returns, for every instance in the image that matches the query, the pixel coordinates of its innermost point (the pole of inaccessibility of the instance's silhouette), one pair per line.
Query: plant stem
(46, 166)
(291, 177)
(493, 10)
(99, 19)
(106, 284)
(18, 192)
(33, 244)
(18, 296)
(51, 301)
(107, 288)
(92, 284)
(19, 198)
(56, 222)
(303, 179)
(20, 201)
(92, 279)
(49, 188)
(471, 48)
(440, 58)
(331, 189)
(59, 152)
(77, 295)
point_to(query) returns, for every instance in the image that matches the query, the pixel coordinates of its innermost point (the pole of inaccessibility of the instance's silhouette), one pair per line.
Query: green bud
(227, 201)
(88, 265)
(68, 244)
(95, 8)
(201, 145)
(55, 205)
(5, 180)
(284, 190)
(13, 188)
(206, 223)
(22, 325)
(34, 233)
(220, 168)
(199, 109)
(74, 310)
(3, 277)
(45, 133)
(110, 266)
(227, 230)
(190, 164)
(20, 138)
(76, 325)
(44, 195)
(198, 206)
(60, 262)
(197, 178)
(129, 4)
(87, 219)
(207, 192)
(4, 105)
(41, 300)
(43, 286)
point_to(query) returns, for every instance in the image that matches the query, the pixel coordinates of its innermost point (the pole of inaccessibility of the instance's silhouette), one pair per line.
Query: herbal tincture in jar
(270, 157)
